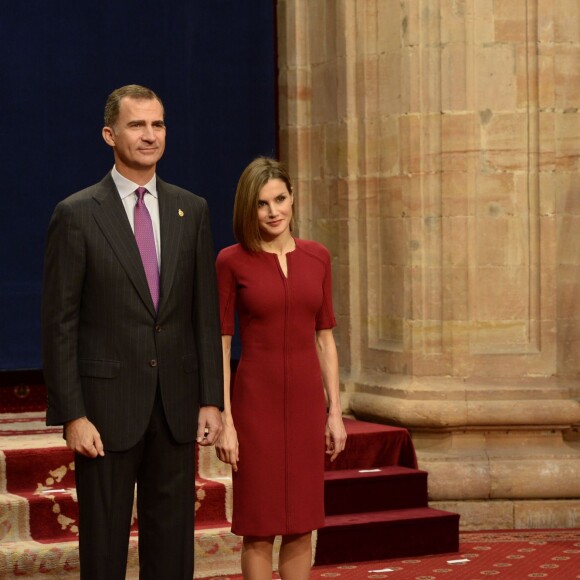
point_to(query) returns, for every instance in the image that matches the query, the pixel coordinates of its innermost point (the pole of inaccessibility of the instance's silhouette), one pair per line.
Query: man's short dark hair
(114, 101)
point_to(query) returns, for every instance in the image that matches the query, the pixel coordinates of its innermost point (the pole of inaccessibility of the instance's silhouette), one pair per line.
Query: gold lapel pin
(180, 212)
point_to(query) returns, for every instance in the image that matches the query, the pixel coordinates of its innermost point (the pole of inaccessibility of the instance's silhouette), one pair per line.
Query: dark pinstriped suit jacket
(104, 349)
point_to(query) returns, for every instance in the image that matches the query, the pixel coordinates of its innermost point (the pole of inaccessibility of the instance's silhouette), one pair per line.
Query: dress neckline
(289, 252)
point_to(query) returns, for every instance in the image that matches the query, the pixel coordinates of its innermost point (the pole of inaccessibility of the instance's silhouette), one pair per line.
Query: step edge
(386, 471)
(429, 514)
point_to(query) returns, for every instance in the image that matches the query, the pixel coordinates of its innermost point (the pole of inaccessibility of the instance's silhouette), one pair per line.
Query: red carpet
(38, 512)
(379, 513)
(376, 499)
(507, 555)
(22, 391)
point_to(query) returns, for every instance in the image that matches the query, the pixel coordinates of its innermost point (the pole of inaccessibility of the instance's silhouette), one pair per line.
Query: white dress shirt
(126, 189)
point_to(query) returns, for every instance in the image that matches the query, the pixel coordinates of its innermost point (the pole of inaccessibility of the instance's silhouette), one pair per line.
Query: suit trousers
(164, 472)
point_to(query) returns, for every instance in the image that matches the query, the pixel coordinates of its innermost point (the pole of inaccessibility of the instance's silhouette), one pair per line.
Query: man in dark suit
(132, 348)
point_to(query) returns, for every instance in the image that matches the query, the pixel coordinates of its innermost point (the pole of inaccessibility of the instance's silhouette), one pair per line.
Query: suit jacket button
(152, 363)
(158, 328)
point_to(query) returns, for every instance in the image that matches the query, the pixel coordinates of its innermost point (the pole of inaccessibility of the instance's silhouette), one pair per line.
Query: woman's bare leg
(295, 557)
(257, 558)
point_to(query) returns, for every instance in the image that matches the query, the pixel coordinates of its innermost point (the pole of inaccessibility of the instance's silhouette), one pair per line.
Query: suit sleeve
(64, 270)
(206, 314)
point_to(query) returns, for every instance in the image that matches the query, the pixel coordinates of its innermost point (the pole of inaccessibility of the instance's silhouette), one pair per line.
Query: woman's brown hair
(251, 182)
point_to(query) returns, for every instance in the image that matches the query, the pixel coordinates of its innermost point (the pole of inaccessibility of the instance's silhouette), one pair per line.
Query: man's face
(138, 137)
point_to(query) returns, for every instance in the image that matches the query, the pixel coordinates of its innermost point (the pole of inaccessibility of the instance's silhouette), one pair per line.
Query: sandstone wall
(435, 146)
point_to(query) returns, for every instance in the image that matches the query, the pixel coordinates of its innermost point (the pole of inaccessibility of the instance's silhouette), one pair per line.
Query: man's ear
(109, 136)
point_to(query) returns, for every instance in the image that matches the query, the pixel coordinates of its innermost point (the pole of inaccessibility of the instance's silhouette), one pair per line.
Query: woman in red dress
(277, 427)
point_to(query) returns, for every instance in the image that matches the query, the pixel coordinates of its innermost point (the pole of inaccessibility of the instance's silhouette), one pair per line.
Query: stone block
(295, 94)
(566, 16)
(499, 293)
(510, 21)
(411, 22)
(480, 515)
(455, 243)
(495, 65)
(567, 73)
(435, 151)
(389, 101)
(565, 188)
(317, 39)
(546, 14)
(324, 87)
(546, 514)
(507, 515)
(453, 17)
(389, 19)
(457, 193)
(497, 196)
(568, 252)
(505, 142)
(568, 141)
(547, 143)
(460, 141)
(454, 95)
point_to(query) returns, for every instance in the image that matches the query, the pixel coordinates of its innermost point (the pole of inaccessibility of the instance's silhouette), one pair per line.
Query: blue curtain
(213, 63)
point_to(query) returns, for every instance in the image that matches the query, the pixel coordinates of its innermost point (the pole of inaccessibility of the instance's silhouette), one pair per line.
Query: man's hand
(82, 437)
(209, 425)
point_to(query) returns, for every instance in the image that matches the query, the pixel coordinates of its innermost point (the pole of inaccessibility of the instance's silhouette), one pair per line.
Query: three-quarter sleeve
(227, 293)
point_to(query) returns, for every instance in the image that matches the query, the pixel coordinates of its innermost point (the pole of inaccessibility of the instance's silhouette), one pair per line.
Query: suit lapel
(170, 223)
(111, 216)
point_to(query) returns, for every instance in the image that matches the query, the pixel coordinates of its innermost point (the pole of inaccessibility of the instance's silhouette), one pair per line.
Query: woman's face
(274, 209)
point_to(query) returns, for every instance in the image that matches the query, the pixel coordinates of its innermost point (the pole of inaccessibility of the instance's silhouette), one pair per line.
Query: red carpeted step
(53, 512)
(52, 515)
(37, 468)
(387, 534)
(41, 520)
(22, 391)
(44, 478)
(372, 445)
(210, 504)
(368, 490)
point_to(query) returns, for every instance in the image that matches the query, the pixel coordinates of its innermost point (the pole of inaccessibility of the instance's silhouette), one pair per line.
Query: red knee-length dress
(278, 402)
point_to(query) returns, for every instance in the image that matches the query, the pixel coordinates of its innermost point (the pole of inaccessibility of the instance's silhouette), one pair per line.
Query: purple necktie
(146, 242)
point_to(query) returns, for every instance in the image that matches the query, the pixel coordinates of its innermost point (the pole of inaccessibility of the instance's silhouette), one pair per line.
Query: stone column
(436, 149)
